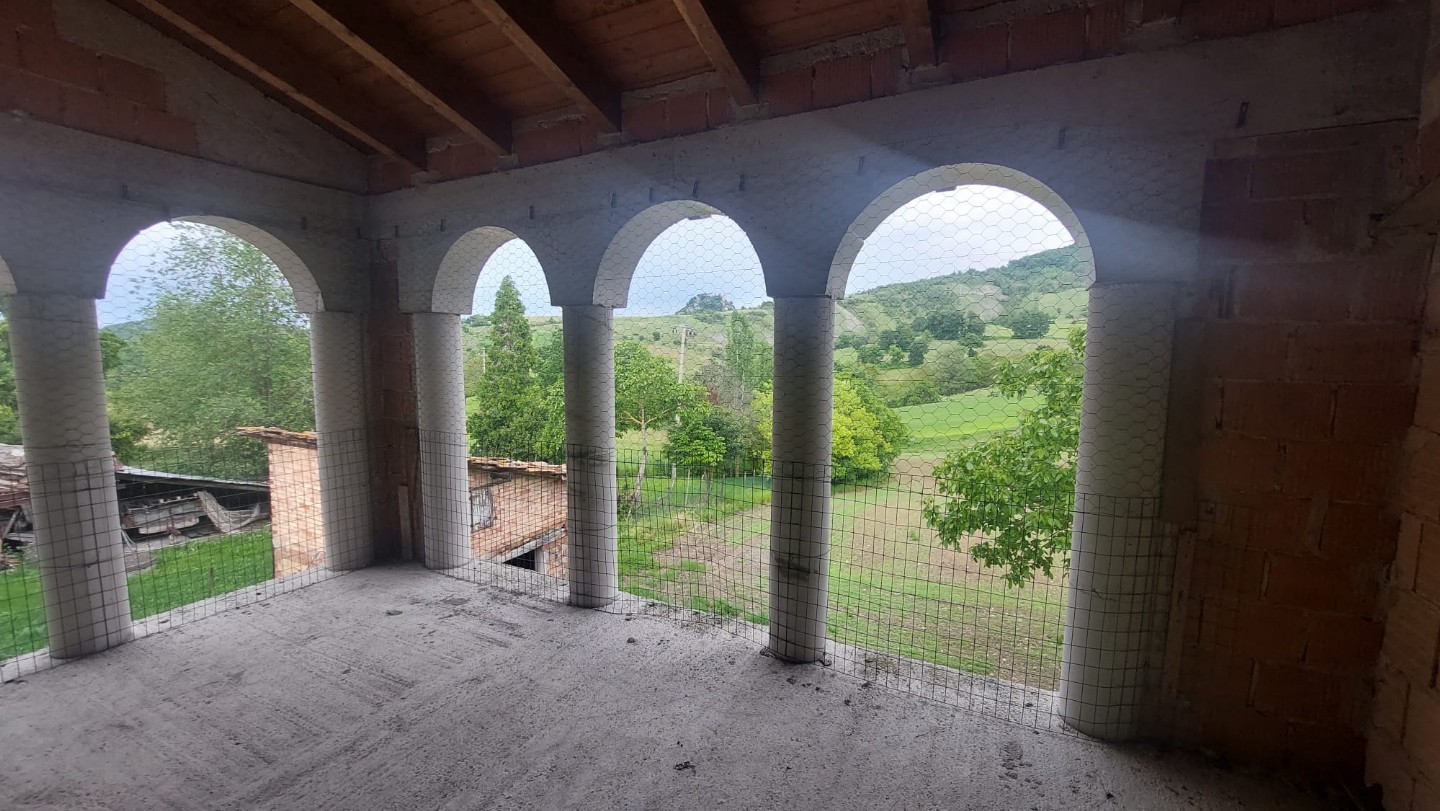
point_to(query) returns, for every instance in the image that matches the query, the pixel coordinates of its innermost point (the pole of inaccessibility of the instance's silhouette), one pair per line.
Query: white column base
(338, 357)
(591, 495)
(444, 447)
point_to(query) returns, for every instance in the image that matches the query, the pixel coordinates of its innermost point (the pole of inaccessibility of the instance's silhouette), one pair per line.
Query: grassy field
(180, 575)
(955, 421)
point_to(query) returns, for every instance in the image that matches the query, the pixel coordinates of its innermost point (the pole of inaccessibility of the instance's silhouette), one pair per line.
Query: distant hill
(129, 329)
(706, 303)
(1052, 281)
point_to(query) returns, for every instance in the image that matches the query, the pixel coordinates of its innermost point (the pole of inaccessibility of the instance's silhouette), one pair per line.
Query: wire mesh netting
(161, 459)
(915, 480)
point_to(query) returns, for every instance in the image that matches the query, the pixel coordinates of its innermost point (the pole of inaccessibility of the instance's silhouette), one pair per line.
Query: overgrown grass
(180, 575)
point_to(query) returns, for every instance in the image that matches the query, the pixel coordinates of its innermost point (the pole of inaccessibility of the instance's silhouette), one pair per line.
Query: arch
(454, 290)
(945, 178)
(308, 298)
(623, 254)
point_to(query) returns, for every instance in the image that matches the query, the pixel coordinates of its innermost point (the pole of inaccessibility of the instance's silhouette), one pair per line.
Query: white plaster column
(800, 478)
(1119, 562)
(590, 454)
(338, 357)
(444, 448)
(55, 343)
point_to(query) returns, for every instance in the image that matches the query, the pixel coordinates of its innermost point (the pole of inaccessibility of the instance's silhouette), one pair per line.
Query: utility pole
(684, 332)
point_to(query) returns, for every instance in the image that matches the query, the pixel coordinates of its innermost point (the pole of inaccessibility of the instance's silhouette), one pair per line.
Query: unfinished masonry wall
(1299, 355)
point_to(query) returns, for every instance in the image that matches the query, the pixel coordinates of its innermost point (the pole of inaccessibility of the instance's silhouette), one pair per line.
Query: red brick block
(1420, 487)
(1285, 525)
(1392, 290)
(1228, 465)
(1273, 634)
(1226, 574)
(1325, 749)
(100, 114)
(1048, 39)
(788, 92)
(977, 52)
(688, 114)
(1226, 18)
(1343, 471)
(1412, 637)
(1348, 644)
(1427, 564)
(645, 121)
(164, 131)
(1354, 353)
(842, 81)
(1155, 10)
(1373, 415)
(1239, 351)
(386, 175)
(1427, 399)
(127, 80)
(1104, 28)
(1392, 697)
(9, 47)
(35, 96)
(1257, 231)
(1427, 794)
(57, 59)
(1428, 148)
(1318, 584)
(1407, 553)
(36, 14)
(1277, 410)
(1294, 12)
(1310, 175)
(1357, 532)
(1294, 292)
(885, 69)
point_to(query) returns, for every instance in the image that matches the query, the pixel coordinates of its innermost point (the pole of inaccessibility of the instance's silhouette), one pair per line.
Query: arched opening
(962, 328)
(205, 353)
(511, 369)
(693, 366)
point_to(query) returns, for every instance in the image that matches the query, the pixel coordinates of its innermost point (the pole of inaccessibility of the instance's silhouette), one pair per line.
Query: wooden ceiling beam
(364, 28)
(288, 73)
(917, 22)
(717, 27)
(549, 46)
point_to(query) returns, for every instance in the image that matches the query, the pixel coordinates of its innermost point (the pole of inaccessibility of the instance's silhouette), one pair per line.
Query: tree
(953, 325)
(1027, 323)
(958, 371)
(866, 434)
(918, 348)
(508, 414)
(1016, 488)
(225, 347)
(647, 394)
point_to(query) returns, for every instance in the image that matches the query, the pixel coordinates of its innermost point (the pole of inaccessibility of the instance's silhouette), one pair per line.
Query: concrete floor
(399, 688)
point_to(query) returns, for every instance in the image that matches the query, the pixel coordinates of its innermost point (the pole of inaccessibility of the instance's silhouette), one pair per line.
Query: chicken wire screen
(959, 370)
(160, 458)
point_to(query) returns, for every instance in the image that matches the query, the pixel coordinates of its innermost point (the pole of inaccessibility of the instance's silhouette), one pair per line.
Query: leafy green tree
(693, 442)
(1009, 497)
(508, 414)
(647, 394)
(225, 347)
(748, 355)
(953, 325)
(916, 355)
(867, 434)
(1027, 323)
(957, 371)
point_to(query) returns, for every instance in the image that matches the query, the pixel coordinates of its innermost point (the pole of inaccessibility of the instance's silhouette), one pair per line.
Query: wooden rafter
(722, 36)
(917, 21)
(363, 27)
(550, 47)
(287, 72)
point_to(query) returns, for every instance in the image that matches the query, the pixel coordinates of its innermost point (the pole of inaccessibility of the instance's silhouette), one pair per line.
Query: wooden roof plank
(552, 48)
(718, 29)
(378, 41)
(287, 72)
(917, 22)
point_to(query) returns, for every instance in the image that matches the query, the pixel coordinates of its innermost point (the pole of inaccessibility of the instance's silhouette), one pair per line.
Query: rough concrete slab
(398, 688)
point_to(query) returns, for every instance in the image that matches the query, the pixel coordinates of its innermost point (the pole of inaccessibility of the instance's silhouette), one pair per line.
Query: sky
(938, 233)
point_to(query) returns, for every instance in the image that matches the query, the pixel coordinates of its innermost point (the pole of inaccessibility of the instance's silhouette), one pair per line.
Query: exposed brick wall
(297, 526)
(394, 429)
(1303, 343)
(48, 78)
(977, 40)
(1404, 747)
(524, 508)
